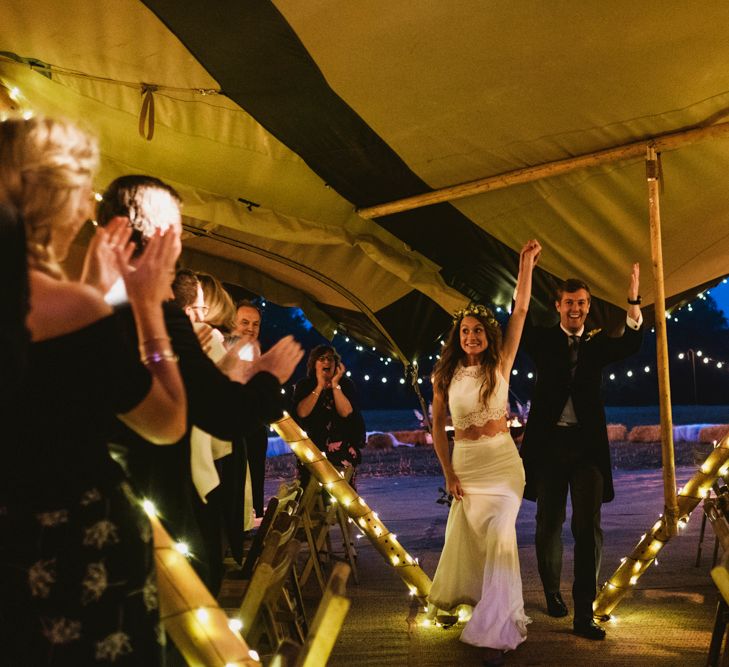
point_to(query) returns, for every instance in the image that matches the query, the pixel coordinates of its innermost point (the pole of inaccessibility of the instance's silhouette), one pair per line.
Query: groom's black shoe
(555, 605)
(589, 629)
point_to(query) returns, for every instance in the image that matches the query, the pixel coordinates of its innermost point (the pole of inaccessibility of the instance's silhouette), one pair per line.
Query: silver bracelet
(157, 357)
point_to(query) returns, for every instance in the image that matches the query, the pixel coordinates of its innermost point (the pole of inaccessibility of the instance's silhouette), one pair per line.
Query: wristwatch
(635, 302)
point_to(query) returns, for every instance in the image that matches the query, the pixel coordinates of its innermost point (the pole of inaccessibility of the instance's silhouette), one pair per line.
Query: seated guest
(216, 404)
(76, 557)
(326, 408)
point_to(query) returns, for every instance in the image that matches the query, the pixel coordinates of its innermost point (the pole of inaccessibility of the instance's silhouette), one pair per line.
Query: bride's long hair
(452, 353)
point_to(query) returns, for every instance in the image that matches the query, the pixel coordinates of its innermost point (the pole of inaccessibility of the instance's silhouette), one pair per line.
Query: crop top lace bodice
(464, 394)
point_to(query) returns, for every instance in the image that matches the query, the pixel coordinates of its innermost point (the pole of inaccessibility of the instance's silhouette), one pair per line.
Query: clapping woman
(325, 404)
(76, 561)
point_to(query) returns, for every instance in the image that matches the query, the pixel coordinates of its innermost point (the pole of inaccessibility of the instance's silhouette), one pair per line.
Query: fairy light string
(362, 516)
(200, 629)
(655, 538)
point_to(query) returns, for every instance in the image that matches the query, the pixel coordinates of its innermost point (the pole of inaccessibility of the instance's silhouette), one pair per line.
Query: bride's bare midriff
(489, 429)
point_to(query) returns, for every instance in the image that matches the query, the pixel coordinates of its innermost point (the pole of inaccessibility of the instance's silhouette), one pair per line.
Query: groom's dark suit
(557, 458)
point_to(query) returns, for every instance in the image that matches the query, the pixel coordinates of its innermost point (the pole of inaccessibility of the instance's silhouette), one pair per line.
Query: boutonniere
(590, 334)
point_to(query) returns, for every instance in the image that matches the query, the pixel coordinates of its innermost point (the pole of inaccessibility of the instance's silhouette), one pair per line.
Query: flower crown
(475, 309)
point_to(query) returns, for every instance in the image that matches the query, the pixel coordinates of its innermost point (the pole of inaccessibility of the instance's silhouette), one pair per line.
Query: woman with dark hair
(76, 558)
(326, 408)
(479, 565)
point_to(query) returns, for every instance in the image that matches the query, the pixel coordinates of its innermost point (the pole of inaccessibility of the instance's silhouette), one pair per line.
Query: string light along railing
(652, 541)
(201, 630)
(361, 515)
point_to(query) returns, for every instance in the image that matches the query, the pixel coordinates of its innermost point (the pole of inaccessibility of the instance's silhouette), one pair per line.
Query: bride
(479, 564)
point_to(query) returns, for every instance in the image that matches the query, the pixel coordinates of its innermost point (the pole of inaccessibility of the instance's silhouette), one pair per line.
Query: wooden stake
(664, 383)
(633, 150)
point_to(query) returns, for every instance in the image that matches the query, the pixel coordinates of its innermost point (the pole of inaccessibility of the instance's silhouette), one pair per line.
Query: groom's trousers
(569, 467)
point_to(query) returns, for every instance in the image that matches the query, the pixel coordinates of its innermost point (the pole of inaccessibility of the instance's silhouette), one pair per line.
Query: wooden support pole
(635, 149)
(664, 383)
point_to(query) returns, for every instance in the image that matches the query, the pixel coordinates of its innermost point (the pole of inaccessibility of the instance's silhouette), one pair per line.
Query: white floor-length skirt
(479, 565)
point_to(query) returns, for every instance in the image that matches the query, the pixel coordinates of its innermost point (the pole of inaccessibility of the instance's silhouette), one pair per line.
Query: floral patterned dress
(76, 554)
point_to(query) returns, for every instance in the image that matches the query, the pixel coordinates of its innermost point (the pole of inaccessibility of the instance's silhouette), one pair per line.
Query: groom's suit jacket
(549, 349)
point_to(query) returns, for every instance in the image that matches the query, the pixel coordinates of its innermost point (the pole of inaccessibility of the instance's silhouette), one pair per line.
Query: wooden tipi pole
(632, 150)
(664, 384)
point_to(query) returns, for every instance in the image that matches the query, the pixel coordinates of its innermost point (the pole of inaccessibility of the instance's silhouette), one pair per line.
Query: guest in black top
(76, 558)
(216, 404)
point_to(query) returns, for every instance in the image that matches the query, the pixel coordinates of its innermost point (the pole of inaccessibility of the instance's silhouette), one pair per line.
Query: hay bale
(381, 441)
(617, 432)
(712, 434)
(645, 433)
(413, 437)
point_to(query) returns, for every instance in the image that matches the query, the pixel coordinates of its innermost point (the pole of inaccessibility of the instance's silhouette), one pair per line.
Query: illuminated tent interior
(278, 121)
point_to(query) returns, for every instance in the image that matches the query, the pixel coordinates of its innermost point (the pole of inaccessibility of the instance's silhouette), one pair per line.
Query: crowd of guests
(137, 382)
(144, 382)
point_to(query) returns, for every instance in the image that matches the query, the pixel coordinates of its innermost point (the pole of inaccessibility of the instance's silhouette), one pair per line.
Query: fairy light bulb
(183, 548)
(149, 508)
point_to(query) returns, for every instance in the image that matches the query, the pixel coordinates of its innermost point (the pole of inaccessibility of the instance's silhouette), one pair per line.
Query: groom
(566, 446)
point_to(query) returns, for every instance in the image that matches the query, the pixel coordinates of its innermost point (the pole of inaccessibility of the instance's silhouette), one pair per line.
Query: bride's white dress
(479, 565)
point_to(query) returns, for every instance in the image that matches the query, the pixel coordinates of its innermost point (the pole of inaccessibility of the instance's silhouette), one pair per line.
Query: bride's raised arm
(528, 259)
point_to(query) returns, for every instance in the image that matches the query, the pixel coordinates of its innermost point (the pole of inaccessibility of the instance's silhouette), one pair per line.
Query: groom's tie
(574, 348)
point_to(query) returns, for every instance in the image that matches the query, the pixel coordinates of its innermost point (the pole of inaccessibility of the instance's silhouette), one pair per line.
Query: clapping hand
(150, 279)
(338, 374)
(280, 360)
(101, 265)
(240, 370)
(204, 333)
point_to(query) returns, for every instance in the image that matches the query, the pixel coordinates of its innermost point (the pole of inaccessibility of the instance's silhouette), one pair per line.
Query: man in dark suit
(216, 404)
(566, 446)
